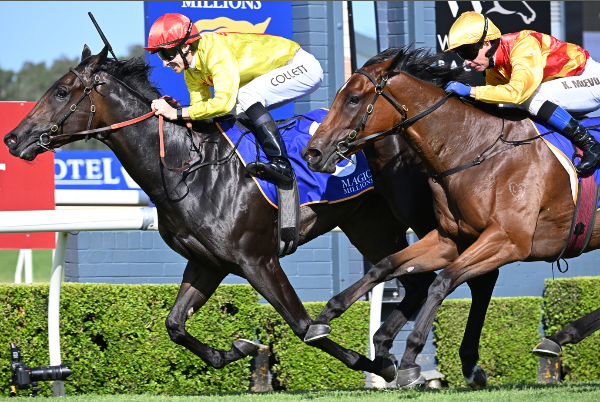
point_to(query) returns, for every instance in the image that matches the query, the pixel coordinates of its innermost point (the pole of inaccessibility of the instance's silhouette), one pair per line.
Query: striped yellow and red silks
(523, 61)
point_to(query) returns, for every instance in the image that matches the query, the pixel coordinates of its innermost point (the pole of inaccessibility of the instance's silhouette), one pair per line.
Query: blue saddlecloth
(348, 181)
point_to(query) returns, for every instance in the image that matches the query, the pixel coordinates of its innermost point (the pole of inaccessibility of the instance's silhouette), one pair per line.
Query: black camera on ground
(24, 376)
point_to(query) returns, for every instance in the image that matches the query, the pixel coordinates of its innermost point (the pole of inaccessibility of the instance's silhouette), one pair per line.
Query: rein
(46, 138)
(345, 145)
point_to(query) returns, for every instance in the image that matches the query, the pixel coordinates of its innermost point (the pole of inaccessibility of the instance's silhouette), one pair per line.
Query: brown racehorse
(500, 194)
(212, 213)
(398, 175)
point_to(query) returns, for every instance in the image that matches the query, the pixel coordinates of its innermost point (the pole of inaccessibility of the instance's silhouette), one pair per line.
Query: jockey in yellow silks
(250, 74)
(536, 72)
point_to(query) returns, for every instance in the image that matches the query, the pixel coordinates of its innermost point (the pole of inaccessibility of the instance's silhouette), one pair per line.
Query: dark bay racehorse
(214, 215)
(500, 197)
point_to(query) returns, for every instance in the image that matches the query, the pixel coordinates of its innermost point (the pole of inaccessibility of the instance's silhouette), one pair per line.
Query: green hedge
(116, 338)
(510, 332)
(566, 300)
(298, 366)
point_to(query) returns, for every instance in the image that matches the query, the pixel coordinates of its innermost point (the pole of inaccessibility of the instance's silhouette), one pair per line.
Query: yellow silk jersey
(523, 61)
(227, 61)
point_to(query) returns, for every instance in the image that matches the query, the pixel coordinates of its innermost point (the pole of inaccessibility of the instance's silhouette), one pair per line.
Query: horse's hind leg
(481, 293)
(573, 333)
(196, 288)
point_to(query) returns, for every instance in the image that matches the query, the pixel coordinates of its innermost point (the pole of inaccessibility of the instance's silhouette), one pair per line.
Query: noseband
(349, 142)
(46, 138)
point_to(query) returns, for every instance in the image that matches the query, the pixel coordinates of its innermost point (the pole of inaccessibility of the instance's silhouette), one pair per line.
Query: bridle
(47, 137)
(349, 142)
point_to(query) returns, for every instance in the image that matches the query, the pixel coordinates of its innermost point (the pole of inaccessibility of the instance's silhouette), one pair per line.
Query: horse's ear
(395, 61)
(86, 52)
(93, 63)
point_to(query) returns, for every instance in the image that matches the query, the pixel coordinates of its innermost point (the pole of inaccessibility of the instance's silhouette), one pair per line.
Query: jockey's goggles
(469, 51)
(167, 54)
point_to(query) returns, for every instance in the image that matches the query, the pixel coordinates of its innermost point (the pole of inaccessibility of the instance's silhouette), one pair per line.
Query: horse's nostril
(10, 139)
(313, 153)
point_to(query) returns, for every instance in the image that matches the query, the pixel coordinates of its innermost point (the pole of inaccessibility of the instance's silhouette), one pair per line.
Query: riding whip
(102, 36)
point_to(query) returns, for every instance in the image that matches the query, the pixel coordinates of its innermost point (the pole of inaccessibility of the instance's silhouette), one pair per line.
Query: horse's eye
(62, 93)
(354, 99)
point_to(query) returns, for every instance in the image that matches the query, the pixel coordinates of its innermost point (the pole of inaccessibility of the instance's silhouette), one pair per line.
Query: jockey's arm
(527, 63)
(223, 73)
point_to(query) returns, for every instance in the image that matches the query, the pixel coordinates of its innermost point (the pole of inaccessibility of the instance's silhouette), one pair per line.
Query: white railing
(64, 221)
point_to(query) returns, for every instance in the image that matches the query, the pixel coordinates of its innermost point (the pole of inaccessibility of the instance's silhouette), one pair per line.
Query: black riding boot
(562, 121)
(581, 137)
(278, 168)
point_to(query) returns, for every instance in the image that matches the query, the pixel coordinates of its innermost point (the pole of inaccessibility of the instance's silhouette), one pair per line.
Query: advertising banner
(24, 186)
(269, 17)
(94, 178)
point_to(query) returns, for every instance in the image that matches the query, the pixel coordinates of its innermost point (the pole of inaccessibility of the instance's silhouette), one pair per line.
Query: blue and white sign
(90, 170)
(93, 177)
(270, 17)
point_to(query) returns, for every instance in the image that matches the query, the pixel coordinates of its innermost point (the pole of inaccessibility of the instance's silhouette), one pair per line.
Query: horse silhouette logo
(517, 8)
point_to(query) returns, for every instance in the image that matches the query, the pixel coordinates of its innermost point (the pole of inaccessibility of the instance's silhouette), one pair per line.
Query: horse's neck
(449, 135)
(138, 149)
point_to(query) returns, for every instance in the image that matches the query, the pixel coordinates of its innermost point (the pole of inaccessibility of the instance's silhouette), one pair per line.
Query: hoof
(409, 378)
(245, 347)
(547, 348)
(317, 331)
(386, 368)
(478, 378)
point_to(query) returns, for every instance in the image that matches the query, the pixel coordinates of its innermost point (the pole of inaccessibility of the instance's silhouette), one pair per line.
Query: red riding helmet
(171, 30)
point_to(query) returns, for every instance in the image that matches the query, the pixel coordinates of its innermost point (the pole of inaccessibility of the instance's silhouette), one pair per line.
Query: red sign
(24, 186)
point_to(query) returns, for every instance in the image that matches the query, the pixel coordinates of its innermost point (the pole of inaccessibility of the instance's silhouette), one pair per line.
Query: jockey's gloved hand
(458, 88)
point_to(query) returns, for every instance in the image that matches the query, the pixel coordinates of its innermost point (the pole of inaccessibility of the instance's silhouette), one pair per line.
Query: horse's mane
(135, 73)
(421, 63)
(431, 67)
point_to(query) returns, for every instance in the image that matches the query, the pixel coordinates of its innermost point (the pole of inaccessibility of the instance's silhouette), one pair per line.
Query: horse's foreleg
(196, 288)
(573, 333)
(415, 294)
(385, 270)
(481, 293)
(491, 251)
(343, 300)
